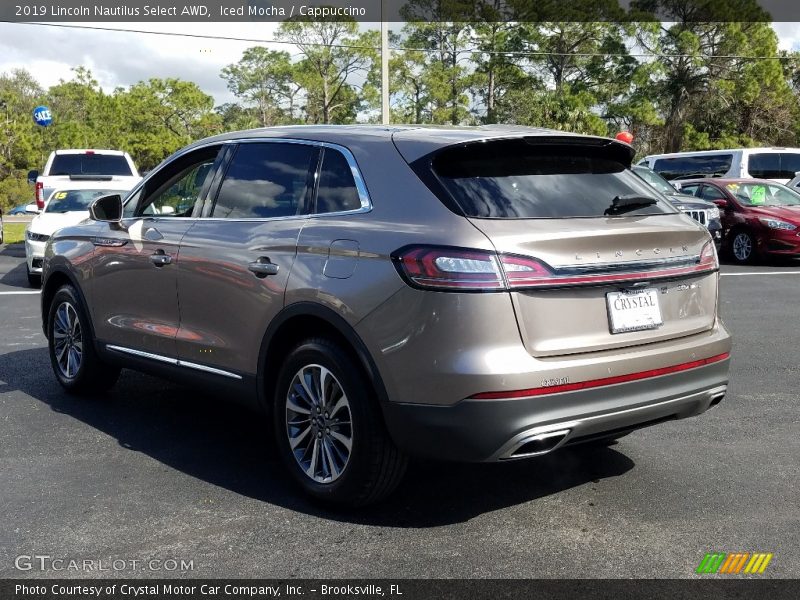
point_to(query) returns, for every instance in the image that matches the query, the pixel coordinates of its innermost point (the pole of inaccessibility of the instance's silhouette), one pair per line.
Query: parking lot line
(760, 273)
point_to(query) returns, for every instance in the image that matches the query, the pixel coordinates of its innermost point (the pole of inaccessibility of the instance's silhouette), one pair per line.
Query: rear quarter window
(773, 165)
(517, 179)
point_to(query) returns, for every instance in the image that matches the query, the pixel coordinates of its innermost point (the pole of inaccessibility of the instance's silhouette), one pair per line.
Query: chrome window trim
(361, 186)
(172, 361)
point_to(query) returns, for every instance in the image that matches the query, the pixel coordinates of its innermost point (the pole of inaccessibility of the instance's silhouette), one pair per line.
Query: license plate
(634, 310)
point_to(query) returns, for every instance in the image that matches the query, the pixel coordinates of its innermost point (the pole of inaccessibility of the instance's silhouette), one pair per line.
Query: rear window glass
(693, 166)
(773, 165)
(89, 164)
(265, 181)
(514, 179)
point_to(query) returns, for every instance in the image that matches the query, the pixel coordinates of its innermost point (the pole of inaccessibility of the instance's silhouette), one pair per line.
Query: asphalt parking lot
(163, 472)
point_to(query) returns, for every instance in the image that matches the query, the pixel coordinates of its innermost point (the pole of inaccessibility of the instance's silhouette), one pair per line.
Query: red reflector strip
(583, 385)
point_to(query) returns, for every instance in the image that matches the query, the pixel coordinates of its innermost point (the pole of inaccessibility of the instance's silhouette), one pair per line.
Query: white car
(64, 207)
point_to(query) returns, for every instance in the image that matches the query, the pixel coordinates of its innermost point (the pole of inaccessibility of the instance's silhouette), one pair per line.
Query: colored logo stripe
(722, 562)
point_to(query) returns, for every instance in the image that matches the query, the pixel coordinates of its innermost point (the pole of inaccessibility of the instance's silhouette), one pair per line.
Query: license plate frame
(642, 312)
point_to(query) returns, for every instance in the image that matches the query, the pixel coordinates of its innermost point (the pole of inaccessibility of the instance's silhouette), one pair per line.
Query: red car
(760, 218)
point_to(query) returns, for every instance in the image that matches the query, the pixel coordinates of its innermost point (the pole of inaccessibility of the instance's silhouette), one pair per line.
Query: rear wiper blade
(621, 204)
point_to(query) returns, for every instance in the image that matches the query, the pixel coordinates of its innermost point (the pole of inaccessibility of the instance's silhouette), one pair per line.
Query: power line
(508, 53)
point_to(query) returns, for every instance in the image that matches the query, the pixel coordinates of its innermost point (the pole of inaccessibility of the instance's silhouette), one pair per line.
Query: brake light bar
(463, 269)
(585, 385)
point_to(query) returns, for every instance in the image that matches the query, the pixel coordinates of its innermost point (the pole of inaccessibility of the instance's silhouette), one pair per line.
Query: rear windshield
(773, 165)
(686, 167)
(89, 164)
(514, 179)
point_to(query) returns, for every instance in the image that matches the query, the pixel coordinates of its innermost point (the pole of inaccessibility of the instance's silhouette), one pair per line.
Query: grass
(14, 233)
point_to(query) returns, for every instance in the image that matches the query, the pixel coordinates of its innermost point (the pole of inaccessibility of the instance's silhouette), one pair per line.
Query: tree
(333, 52)
(265, 79)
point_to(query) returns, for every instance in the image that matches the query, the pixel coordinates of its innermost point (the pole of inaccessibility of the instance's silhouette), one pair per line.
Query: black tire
(742, 247)
(92, 375)
(374, 466)
(34, 279)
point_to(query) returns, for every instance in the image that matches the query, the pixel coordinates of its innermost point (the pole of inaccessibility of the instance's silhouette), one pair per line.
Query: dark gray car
(476, 294)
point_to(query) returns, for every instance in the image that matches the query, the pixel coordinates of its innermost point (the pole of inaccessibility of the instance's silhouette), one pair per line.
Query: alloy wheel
(319, 423)
(67, 340)
(742, 246)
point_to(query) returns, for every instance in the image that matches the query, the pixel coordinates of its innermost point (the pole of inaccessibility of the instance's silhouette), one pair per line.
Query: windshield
(75, 200)
(90, 164)
(515, 179)
(655, 180)
(764, 194)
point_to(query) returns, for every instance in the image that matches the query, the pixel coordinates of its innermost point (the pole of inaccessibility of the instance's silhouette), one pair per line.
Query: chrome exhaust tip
(538, 444)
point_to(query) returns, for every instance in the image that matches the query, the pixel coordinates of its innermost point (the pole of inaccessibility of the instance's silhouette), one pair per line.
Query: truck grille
(698, 215)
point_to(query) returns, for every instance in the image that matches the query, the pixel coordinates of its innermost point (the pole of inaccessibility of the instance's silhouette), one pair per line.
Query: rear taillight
(449, 268)
(708, 257)
(461, 269)
(39, 195)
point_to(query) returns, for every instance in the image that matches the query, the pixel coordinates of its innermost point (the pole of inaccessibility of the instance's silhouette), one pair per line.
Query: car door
(135, 301)
(236, 260)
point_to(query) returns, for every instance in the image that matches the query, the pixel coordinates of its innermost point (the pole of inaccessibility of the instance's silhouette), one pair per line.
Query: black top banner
(400, 10)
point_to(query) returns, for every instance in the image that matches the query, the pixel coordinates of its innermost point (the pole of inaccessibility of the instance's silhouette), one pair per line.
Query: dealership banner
(397, 589)
(394, 10)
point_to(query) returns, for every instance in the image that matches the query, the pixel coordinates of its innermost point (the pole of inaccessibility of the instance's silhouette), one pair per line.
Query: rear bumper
(497, 429)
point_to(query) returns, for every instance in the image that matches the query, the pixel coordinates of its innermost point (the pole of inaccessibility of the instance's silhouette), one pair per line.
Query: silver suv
(476, 294)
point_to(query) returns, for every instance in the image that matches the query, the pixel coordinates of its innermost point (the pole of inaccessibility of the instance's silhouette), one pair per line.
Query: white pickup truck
(74, 165)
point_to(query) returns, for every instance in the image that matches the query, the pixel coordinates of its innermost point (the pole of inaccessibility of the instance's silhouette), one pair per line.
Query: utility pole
(385, 118)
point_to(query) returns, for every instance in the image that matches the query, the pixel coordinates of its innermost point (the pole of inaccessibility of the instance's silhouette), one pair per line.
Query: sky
(121, 59)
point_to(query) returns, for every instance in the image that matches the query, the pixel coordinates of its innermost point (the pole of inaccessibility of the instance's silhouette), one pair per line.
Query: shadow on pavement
(223, 444)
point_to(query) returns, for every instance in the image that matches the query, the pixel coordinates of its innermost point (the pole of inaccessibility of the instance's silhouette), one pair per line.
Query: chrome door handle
(263, 267)
(160, 259)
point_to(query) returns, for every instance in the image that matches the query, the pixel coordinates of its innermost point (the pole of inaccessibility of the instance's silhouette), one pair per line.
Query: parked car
(64, 207)
(760, 218)
(475, 294)
(705, 213)
(65, 167)
(778, 164)
(22, 209)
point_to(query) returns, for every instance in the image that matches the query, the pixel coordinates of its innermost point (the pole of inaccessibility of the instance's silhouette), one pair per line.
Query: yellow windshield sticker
(60, 195)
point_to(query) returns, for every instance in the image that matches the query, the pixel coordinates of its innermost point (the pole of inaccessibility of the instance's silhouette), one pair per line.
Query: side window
(690, 189)
(266, 180)
(131, 203)
(711, 193)
(337, 188)
(180, 194)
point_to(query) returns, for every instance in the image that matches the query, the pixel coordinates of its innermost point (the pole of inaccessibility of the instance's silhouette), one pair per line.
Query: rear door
(236, 259)
(615, 264)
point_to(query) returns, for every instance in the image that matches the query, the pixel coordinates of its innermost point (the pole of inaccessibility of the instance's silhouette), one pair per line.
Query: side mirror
(32, 208)
(107, 208)
(33, 176)
(722, 203)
